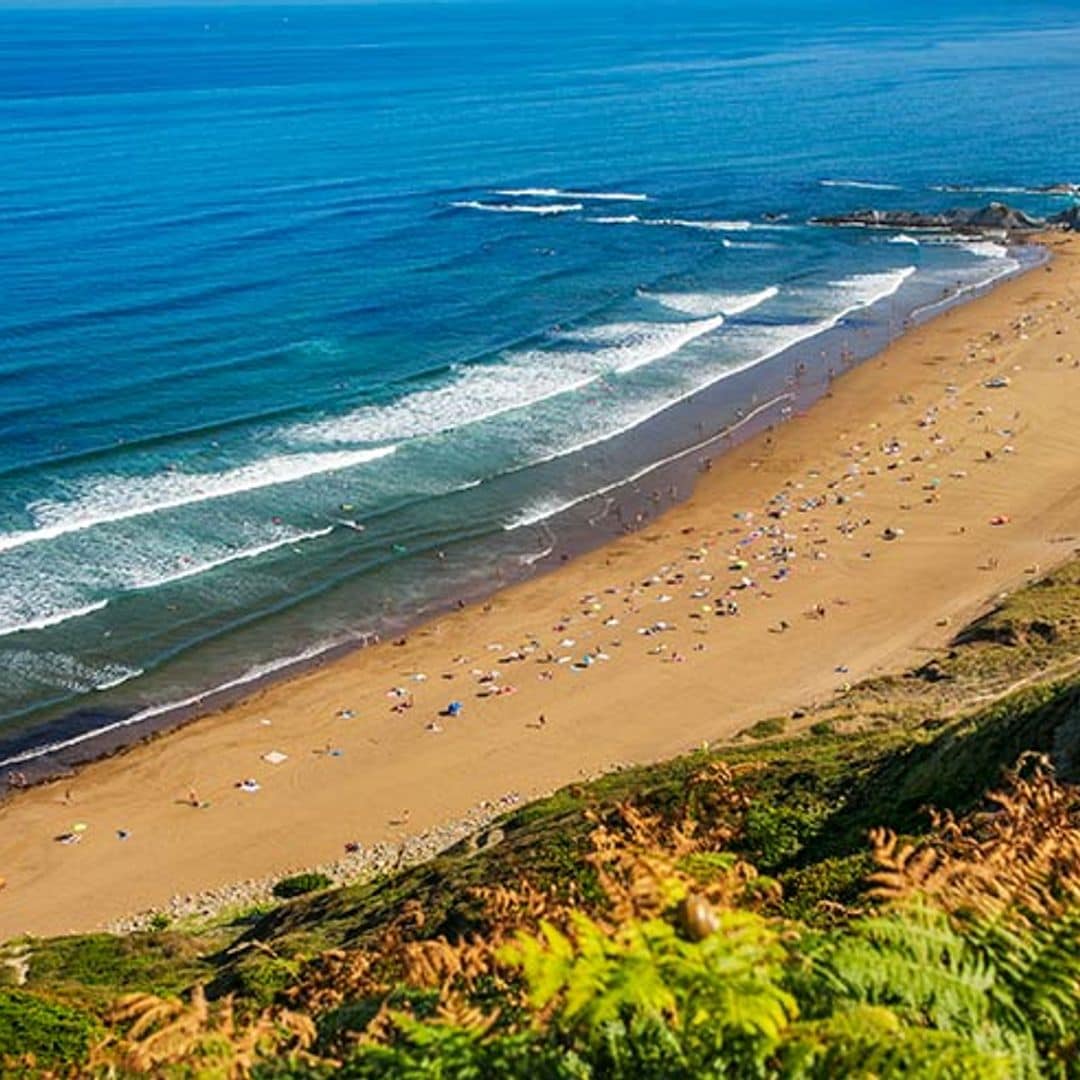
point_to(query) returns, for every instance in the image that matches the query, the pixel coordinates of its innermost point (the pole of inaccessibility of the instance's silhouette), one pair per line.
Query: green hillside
(834, 893)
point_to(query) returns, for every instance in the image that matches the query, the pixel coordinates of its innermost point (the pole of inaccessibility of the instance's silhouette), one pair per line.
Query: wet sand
(843, 543)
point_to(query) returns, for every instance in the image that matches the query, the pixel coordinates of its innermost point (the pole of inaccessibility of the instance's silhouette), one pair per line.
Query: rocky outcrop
(1060, 189)
(997, 217)
(1067, 219)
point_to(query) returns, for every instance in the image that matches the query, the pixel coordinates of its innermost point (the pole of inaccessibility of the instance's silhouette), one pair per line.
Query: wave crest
(105, 499)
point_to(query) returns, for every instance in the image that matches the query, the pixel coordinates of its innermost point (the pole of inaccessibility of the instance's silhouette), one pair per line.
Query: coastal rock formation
(994, 216)
(1060, 189)
(1067, 219)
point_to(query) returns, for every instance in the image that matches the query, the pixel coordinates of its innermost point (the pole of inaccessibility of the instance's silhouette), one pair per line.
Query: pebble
(365, 863)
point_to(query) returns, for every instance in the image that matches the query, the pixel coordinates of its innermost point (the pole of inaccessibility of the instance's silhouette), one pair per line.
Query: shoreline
(42, 758)
(412, 776)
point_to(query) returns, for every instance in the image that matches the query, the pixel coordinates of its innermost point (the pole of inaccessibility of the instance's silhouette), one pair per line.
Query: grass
(90, 969)
(939, 735)
(52, 1032)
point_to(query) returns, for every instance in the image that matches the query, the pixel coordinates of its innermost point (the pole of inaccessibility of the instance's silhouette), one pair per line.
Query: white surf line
(518, 208)
(1013, 267)
(203, 487)
(866, 185)
(110, 684)
(253, 674)
(704, 224)
(752, 300)
(701, 223)
(53, 620)
(704, 304)
(559, 193)
(536, 518)
(237, 556)
(810, 331)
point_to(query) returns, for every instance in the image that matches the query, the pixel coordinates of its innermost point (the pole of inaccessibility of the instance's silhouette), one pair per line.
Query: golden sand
(933, 492)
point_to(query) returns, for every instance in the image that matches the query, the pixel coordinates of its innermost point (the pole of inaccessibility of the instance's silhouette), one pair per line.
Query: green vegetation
(787, 906)
(299, 884)
(52, 1033)
(767, 728)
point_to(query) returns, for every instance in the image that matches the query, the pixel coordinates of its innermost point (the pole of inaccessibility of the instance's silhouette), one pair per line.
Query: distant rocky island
(994, 217)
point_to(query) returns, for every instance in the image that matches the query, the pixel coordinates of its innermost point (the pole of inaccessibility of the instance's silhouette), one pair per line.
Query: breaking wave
(678, 223)
(195, 569)
(866, 185)
(104, 499)
(559, 193)
(113, 678)
(521, 379)
(519, 208)
(703, 304)
(54, 618)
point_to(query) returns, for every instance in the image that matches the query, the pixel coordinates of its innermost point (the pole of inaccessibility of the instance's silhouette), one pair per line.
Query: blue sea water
(312, 318)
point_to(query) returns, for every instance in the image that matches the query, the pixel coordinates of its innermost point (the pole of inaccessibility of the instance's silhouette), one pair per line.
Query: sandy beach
(932, 478)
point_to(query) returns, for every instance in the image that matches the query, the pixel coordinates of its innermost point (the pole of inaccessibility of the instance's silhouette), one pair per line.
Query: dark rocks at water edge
(993, 217)
(1067, 219)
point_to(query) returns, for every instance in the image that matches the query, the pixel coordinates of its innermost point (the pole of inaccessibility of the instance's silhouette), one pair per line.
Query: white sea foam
(985, 249)
(483, 391)
(519, 208)
(253, 674)
(627, 346)
(999, 189)
(703, 304)
(548, 508)
(744, 245)
(708, 226)
(43, 668)
(865, 290)
(54, 618)
(104, 499)
(110, 682)
(866, 185)
(680, 223)
(1008, 266)
(903, 238)
(558, 193)
(194, 569)
(770, 341)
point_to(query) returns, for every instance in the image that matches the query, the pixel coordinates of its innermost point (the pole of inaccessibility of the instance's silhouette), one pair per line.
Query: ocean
(314, 320)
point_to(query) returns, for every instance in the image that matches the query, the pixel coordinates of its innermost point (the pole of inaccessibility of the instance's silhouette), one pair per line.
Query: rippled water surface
(294, 299)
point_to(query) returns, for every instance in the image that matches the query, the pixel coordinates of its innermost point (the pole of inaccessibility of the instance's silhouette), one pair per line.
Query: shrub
(299, 884)
(260, 980)
(837, 880)
(766, 729)
(90, 968)
(776, 833)
(53, 1033)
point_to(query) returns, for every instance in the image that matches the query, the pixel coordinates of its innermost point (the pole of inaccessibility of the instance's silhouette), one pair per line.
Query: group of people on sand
(720, 570)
